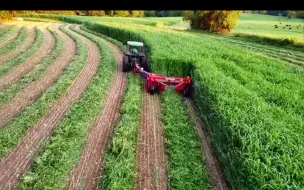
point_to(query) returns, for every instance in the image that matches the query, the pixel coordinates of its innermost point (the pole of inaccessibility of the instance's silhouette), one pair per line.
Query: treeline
(286, 13)
(7, 15)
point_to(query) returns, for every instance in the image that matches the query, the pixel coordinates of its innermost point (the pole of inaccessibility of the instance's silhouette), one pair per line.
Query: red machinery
(156, 84)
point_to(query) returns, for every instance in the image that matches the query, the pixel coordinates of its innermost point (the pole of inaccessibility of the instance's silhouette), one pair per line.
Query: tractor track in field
(46, 48)
(151, 155)
(218, 179)
(88, 170)
(12, 37)
(32, 92)
(30, 39)
(19, 160)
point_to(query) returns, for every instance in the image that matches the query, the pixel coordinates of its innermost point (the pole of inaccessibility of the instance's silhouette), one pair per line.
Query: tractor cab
(135, 49)
(135, 53)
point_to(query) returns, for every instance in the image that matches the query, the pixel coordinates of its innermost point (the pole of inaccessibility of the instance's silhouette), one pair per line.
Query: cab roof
(133, 43)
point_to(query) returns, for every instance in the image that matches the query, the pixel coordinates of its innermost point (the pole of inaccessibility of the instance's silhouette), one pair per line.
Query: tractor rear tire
(188, 91)
(125, 64)
(152, 89)
(144, 64)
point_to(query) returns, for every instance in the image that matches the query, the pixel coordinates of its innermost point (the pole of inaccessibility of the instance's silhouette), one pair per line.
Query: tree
(291, 14)
(121, 13)
(137, 13)
(150, 13)
(264, 12)
(174, 13)
(212, 20)
(5, 15)
(300, 14)
(95, 13)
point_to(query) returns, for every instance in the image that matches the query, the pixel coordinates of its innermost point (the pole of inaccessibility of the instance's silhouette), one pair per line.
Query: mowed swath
(11, 37)
(15, 74)
(27, 96)
(89, 168)
(23, 47)
(152, 166)
(19, 160)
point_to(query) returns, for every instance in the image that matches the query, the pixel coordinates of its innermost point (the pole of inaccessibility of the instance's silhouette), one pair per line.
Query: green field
(244, 98)
(248, 93)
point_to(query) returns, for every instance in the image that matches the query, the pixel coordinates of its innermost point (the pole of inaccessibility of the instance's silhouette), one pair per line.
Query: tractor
(135, 59)
(135, 53)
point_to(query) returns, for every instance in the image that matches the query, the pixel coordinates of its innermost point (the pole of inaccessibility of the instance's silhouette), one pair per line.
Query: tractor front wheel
(188, 91)
(125, 64)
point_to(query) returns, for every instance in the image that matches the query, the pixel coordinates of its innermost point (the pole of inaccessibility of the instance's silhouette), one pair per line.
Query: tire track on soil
(212, 163)
(88, 170)
(26, 45)
(27, 96)
(46, 48)
(151, 156)
(19, 161)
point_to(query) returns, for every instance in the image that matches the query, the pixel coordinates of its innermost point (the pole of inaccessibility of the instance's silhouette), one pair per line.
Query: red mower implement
(136, 59)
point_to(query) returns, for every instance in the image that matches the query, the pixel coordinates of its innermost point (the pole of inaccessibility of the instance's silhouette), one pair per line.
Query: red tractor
(135, 58)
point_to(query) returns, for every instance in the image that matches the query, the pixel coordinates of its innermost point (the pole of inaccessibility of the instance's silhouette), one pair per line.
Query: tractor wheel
(188, 91)
(144, 64)
(152, 89)
(125, 64)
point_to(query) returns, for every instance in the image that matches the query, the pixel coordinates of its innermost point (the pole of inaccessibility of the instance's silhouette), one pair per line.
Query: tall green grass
(259, 146)
(61, 153)
(186, 161)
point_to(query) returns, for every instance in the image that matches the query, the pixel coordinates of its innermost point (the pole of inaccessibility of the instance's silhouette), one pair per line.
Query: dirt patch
(89, 169)
(212, 163)
(151, 156)
(19, 160)
(32, 92)
(20, 49)
(46, 48)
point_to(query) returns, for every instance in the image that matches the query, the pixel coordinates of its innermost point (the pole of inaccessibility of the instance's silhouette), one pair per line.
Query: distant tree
(80, 13)
(6, 15)
(264, 12)
(137, 13)
(150, 13)
(121, 13)
(300, 14)
(212, 20)
(162, 13)
(95, 13)
(174, 13)
(291, 14)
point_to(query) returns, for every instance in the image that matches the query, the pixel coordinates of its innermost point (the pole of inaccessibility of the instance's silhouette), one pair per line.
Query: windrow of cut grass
(24, 56)
(52, 167)
(8, 32)
(120, 159)
(17, 42)
(258, 144)
(12, 134)
(186, 169)
(10, 92)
